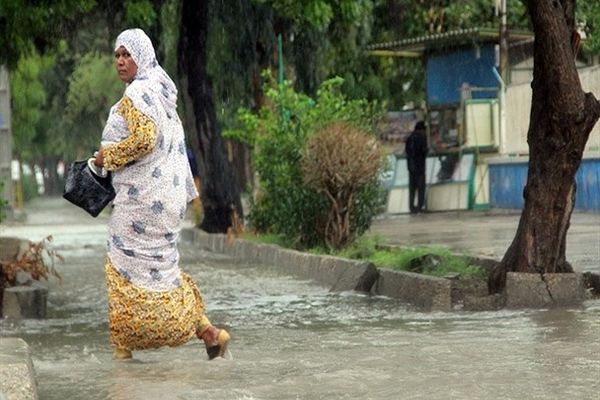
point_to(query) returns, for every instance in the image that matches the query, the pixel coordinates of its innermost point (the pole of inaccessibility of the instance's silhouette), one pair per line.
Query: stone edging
(17, 380)
(425, 292)
(339, 274)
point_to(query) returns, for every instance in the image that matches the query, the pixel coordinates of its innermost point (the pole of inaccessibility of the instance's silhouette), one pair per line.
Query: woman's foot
(121, 354)
(216, 341)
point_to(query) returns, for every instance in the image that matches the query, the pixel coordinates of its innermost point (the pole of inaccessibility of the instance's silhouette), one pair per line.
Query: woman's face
(126, 67)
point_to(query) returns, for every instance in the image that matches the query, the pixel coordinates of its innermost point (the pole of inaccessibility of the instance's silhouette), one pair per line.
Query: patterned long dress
(152, 303)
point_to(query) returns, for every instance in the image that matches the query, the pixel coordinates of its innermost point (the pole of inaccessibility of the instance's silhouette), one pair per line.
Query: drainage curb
(17, 377)
(339, 274)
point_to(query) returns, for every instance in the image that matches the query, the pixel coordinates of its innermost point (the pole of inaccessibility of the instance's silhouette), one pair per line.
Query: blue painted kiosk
(477, 123)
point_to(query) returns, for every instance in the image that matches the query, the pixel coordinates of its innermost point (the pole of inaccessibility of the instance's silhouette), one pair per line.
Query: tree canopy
(59, 53)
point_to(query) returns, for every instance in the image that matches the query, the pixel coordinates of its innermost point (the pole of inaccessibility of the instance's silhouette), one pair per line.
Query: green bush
(400, 259)
(278, 136)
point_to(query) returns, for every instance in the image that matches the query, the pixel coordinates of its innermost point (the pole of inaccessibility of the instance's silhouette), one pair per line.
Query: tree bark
(562, 117)
(220, 193)
(52, 184)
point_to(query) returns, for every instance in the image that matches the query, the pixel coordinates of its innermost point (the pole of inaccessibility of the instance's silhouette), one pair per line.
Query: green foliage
(316, 13)
(369, 248)
(26, 25)
(399, 259)
(30, 187)
(140, 13)
(362, 249)
(267, 238)
(588, 14)
(93, 88)
(278, 134)
(28, 99)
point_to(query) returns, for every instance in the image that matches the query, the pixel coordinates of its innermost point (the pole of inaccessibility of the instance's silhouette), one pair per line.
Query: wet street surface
(294, 340)
(486, 233)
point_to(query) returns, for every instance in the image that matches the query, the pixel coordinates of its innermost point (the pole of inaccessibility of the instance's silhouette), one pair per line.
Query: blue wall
(446, 73)
(508, 180)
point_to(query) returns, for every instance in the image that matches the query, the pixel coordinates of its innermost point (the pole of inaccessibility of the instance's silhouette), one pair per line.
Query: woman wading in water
(151, 302)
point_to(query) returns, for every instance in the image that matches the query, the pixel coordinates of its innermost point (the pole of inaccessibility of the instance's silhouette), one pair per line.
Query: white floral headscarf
(149, 71)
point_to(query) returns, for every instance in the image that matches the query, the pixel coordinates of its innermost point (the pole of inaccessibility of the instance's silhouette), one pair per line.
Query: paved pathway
(486, 233)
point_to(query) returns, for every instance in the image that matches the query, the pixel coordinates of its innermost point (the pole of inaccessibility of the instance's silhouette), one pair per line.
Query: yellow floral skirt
(141, 319)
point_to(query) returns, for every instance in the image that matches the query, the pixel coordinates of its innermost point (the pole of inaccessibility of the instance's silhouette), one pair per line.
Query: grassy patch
(266, 238)
(400, 259)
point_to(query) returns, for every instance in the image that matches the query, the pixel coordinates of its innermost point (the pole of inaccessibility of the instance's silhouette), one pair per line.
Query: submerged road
(294, 340)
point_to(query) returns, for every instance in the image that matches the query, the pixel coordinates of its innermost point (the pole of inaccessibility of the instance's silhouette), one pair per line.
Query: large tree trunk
(562, 117)
(220, 193)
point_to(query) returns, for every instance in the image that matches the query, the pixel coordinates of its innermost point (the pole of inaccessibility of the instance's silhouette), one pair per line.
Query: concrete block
(248, 249)
(527, 290)
(17, 377)
(355, 275)
(327, 271)
(219, 242)
(483, 303)
(12, 248)
(25, 301)
(422, 291)
(269, 254)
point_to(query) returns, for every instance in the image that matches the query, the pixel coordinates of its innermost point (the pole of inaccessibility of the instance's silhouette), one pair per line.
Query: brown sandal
(122, 354)
(218, 349)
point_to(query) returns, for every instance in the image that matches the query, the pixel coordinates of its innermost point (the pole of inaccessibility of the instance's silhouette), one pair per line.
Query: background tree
(93, 89)
(27, 25)
(562, 117)
(28, 99)
(220, 193)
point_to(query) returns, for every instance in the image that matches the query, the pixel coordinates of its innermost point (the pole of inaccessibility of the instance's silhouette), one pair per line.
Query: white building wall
(518, 107)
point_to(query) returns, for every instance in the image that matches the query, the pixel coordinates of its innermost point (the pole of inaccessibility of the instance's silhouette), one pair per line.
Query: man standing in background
(416, 154)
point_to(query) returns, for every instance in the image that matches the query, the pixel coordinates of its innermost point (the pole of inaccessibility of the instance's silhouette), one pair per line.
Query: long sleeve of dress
(139, 143)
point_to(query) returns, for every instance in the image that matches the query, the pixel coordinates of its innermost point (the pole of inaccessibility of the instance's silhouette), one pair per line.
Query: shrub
(278, 135)
(38, 260)
(339, 161)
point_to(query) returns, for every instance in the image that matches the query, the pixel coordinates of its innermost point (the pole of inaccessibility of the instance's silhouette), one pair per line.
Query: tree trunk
(219, 192)
(52, 183)
(562, 117)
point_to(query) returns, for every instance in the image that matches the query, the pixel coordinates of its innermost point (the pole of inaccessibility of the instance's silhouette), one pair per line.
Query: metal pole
(6, 142)
(503, 42)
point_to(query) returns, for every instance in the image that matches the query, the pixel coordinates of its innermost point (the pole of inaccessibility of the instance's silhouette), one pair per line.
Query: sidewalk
(485, 233)
(477, 233)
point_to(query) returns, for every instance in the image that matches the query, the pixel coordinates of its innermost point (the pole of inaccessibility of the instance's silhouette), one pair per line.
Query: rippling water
(295, 340)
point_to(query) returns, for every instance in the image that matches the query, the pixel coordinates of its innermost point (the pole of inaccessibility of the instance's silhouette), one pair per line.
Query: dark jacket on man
(416, 156)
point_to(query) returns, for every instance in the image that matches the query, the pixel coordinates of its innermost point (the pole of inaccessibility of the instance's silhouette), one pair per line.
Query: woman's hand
(99, 158)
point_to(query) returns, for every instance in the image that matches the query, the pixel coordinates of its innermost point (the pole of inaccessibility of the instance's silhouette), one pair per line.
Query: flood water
(295, 340)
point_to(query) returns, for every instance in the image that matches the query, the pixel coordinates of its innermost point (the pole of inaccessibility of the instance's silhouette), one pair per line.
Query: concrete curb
(339, 274)
(17, 380)
(547, 290)
(424, 292)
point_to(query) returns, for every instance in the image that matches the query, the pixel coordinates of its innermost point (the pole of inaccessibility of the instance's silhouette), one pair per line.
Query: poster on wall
(395, 126)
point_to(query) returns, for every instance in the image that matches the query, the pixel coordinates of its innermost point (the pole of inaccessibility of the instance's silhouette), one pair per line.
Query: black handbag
(86, 189)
